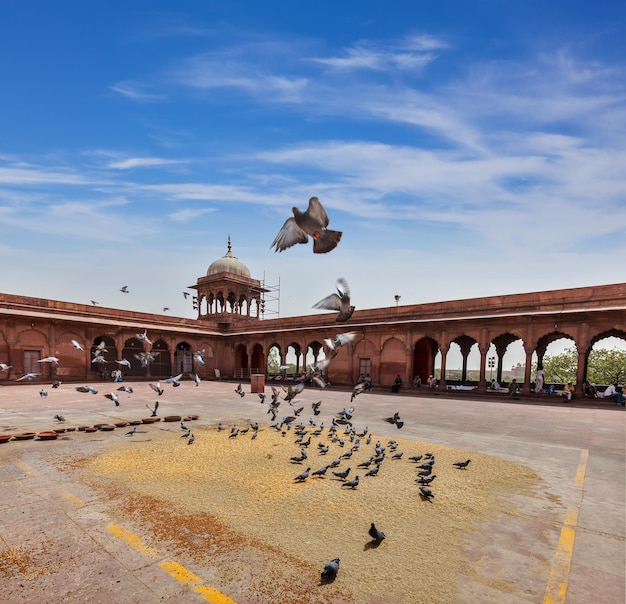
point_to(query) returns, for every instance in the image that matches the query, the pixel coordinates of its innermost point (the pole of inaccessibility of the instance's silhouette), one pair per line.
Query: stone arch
(132, 347)
(272, 371)
(465, 345)
(109, 354)
(242, 368)
(183, 358)
(257, 360)
(501, 344)
(424, 352)
(162, 364)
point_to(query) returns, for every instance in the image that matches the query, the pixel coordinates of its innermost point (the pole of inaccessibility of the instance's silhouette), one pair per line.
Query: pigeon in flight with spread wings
(339, 301)
(125, 290)
(313, 221)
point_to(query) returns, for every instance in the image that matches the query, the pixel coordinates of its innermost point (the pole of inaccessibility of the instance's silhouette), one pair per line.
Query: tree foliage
(604, 366)
(607, 366)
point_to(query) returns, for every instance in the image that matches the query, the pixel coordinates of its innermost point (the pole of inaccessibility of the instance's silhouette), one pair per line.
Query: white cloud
(188, 214)
(144, 162)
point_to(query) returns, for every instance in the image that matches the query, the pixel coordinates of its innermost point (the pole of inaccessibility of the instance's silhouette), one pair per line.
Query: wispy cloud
(144, 162)
(133, 92)
(188, 214)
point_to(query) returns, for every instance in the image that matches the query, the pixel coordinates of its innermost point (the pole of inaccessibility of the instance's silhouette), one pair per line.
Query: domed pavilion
(228, 293)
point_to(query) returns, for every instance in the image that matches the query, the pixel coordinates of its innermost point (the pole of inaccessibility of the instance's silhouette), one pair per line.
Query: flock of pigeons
(346, 440)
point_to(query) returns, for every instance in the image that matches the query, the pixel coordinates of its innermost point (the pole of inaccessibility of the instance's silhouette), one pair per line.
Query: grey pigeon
(154, 411)
(352, 484)
(59, 417)
(43, 393)
(321, 471)
(302, 477)
(191, 439)
(425, 480)
(131, 432)
(426, 493)
(376, 534)
(462, 465)
(342, 475)
(339, 301)
(330, 571)
(87, 389)
(312, 222)
(112, 396)
(373, 471)
(395, 419)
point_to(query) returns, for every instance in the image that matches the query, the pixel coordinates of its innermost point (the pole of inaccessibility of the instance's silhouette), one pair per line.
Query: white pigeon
(144, 337)
(173, 380)
(29, 376)
(124, 362)
(77, 345)
(54, 360)
(4, 367)
(198, 357)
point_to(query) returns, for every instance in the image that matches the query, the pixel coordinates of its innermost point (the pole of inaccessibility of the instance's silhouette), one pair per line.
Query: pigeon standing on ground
(43, 393)
(302, 477)
(131, 432)
(330, 571)
(462, 465)
(426, 493)
(339, 301)
(59, 418)
(313, 221)
(352, 484)
(376, 534)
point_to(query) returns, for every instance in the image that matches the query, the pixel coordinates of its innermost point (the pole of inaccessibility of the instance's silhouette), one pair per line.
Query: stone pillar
(444, 354)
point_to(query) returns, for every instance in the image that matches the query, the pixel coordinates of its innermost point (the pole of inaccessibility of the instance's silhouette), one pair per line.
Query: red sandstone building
(236, 339)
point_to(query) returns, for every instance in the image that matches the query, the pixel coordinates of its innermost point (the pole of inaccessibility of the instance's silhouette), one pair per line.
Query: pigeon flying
(312, 222)
(339, 301)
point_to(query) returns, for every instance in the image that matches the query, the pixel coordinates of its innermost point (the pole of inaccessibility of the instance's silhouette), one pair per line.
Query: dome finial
(229, 248)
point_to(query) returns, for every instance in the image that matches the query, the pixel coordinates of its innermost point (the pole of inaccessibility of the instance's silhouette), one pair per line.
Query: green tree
(606, 366)
(273, 361)
(561, 368)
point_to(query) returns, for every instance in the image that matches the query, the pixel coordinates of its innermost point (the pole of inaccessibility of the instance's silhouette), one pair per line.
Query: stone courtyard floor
(61, 540)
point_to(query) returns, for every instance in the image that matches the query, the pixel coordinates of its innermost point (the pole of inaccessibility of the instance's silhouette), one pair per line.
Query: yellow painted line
(556, 588)
(579, 479)
(70, 497)
(172, 568)
(210, 594)
(133, 541)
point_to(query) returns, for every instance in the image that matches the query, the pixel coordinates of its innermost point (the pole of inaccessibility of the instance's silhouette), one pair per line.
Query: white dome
(229, 264)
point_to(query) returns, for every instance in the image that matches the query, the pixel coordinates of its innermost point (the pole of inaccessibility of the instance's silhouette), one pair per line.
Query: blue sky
(464, 148)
